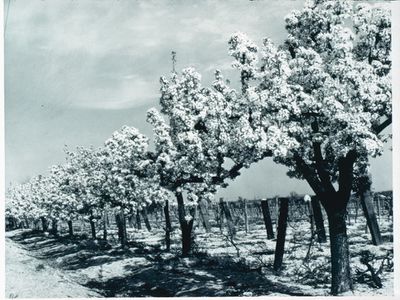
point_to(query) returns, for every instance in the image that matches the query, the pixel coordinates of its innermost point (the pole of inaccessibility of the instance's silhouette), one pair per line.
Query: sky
(75, 71)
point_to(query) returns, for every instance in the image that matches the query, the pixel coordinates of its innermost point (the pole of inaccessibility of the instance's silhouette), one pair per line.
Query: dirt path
(29, 277)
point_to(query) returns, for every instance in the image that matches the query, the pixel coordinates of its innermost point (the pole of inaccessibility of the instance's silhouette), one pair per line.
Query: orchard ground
(40, 265)
(28, 276)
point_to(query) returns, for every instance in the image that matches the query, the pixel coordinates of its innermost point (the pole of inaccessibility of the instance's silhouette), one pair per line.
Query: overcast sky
(75, 71)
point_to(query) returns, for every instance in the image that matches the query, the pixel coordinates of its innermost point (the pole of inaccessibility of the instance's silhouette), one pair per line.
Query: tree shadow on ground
(190, 277)
(68, 253)
(164, 274)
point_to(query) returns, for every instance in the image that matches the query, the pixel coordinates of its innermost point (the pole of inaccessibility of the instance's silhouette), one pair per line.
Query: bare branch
(379, 128)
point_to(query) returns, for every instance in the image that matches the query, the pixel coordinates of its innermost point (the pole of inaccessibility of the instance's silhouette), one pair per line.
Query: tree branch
(346, 174)
(319, 162)
(231, 174)
(379, 128)
(322, 173)
(310, 176)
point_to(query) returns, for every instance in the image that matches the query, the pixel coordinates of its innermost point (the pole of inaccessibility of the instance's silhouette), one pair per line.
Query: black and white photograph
(171, 148)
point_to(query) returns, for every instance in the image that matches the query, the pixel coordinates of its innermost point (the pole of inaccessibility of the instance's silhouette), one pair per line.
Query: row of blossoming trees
(317, 103)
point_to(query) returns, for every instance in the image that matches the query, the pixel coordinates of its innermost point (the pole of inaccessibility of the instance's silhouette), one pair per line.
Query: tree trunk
(92, 226)
(168, 227)
(107, 219)
(37, 224)
(124, 230)
(246, 217)
(105, 225)
(10, 224)
(220, 214)
(369, 213)
(70, 228)
(186, 225)
(146, 219)
(335, 204)
(267, 219)
(26, 222)
(121, 225)
(281, 236)
(187, 238)
(138, 221)
(54, 227)
(45, 226)
(319, 220)
(340, 256)
(378, 202)
(228, 216)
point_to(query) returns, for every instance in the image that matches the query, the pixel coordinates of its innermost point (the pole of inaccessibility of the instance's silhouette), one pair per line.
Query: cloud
(78, 70)
(133, 91)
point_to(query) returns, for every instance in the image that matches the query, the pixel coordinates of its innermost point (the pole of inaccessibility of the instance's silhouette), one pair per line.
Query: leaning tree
(322, 100)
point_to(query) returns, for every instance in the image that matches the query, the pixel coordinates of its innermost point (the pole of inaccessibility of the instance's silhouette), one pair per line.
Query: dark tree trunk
(92, 226)
(124, 231)
(319, 220)
(36, 224)
(54, 227)
(10, 223)
(26, 222)
(228, 216)
(121, 225)
(187, 238)
(267, 219)
(70, 228)
(146, 219)
(45, 226)
(168, 227)
(335, 204)
(105, 225)
(340, 256)
(138, 221)
(369, 213)
(107, 219)
(186, 225)
(281, 236)
(220, 214)
(246, 217)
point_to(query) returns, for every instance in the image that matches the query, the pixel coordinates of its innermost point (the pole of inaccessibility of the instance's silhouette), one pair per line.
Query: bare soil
(27, 276)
